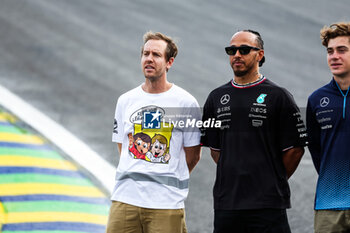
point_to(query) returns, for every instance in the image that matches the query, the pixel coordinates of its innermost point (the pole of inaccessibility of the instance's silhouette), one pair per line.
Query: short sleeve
(210, 137)
(292, 130)
(192, 134)
(118, 129)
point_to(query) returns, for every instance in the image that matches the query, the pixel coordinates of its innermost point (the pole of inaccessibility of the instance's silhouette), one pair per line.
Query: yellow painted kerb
(55, 189)
(21, 138)
(2, 216)
(24, 161)
(7, 117)
(56, 217)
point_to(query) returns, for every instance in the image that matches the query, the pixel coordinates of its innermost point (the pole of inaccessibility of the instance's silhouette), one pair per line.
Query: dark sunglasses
(243, 50)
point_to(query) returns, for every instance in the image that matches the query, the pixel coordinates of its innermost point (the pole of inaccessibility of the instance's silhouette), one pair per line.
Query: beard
(152, 78)
(246, 69)
(240, 73)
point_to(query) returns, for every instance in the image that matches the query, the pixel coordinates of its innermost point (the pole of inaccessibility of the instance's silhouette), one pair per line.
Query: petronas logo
(261, 98)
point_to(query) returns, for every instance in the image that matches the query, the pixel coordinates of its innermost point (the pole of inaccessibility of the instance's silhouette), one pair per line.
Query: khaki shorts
(125, 218)
(332, 221)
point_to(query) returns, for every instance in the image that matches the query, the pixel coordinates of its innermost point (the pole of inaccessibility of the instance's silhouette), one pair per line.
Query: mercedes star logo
(324, 101)
(225, 99)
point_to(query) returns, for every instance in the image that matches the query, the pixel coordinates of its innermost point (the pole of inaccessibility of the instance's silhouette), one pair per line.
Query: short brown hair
(333, 31)
(171, 49)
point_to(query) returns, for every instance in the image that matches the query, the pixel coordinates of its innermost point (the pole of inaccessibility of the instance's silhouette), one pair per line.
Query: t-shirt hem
(149, 206)
(302, 144)
(210, 146)
(192, 144)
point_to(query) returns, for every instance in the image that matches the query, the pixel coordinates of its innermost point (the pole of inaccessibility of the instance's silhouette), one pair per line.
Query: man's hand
(215, 154)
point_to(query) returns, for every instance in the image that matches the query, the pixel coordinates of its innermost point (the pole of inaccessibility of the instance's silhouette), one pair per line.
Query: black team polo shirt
(258, 122)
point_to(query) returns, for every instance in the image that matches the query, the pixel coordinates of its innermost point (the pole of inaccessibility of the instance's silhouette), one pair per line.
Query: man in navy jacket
(328, 123)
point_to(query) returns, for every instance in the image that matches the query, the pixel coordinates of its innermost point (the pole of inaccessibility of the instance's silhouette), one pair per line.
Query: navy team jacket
(328, 123)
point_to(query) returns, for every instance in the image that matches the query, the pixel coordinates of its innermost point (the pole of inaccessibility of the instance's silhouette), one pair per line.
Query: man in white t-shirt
(159, 145)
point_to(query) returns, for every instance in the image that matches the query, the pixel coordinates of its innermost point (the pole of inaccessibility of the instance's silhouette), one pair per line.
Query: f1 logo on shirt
(151, 120)
(324, 102)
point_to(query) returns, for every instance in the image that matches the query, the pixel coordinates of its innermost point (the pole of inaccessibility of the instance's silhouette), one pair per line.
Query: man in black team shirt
(258, 147)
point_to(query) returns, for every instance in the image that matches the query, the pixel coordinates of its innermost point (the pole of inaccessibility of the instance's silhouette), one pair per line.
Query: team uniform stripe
(60, 189)
(166, 180)
(38, 170)
(21, 145)
(21, 138)
(262, 79)
(43, 197)
(55, 206)
(24, 161)
(50, 154)
(41, 178)
(49, 226)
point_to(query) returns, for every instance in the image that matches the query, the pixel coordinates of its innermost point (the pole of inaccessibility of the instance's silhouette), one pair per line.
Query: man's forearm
(291, 159)
(119, 148)
(193, 155)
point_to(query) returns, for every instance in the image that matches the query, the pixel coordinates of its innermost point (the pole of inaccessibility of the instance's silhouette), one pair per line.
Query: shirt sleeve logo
(261, 98)
(324, 102)
(115, 128)
(224, 99)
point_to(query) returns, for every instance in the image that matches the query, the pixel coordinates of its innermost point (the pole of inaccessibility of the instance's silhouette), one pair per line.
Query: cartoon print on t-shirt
(151, 138)
(139, 145)
(159, 150)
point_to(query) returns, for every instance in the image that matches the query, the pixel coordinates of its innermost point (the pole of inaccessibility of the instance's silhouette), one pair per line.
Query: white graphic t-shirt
(154, 129)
